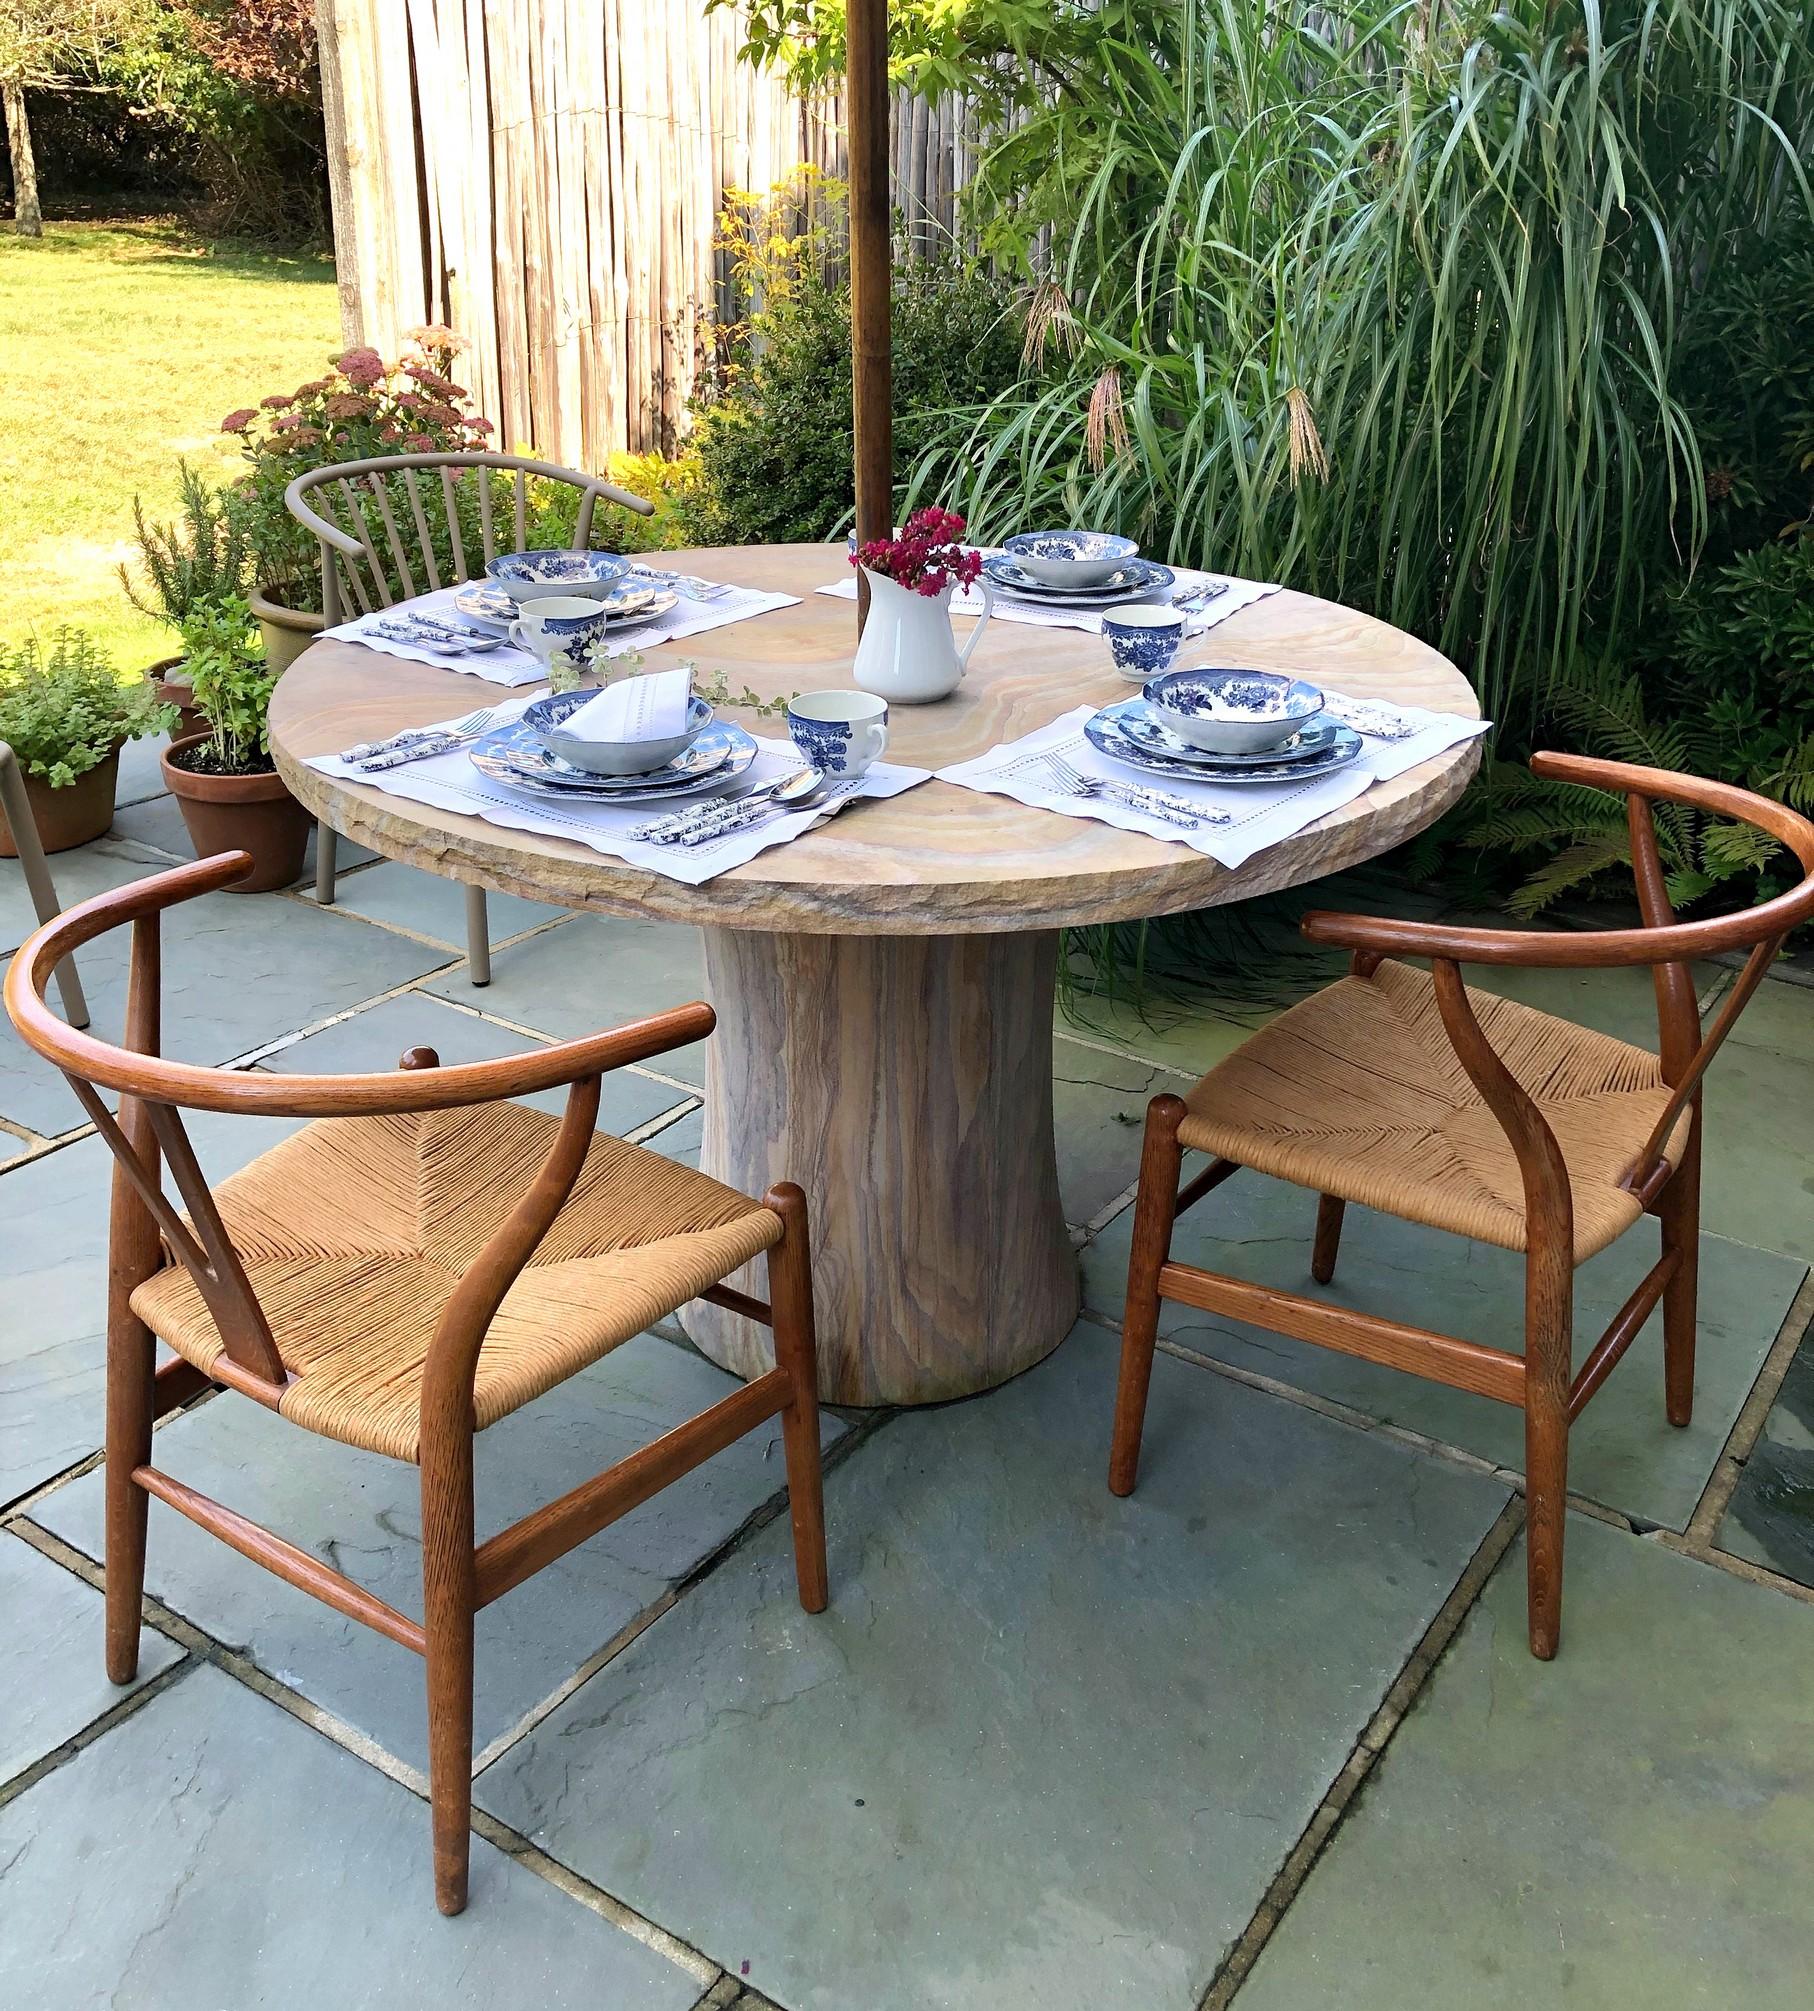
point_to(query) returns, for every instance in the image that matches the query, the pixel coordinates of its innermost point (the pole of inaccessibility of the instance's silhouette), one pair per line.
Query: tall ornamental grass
(1382, 299)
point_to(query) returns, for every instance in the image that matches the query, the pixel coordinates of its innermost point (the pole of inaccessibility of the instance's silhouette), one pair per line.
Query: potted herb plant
(66, 714)
(363, 407)
(224, 780)
(200, 559)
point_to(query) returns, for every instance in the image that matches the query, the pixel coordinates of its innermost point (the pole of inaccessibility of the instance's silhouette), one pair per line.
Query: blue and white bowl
(525, 576)
(1143, 639)
(1071, 558)
(1232, 711)
(547, 718)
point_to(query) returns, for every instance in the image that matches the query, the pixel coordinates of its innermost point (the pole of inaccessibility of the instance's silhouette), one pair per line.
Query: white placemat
(1237, 594)
(1259, 815)
(511, 666)
(451, 782)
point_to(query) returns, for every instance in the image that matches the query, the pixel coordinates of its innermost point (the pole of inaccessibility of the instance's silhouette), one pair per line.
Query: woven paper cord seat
(1358, 1092)
(355, 1231)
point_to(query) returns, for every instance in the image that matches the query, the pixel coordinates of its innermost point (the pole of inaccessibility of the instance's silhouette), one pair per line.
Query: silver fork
(1198, 598)
(468, 728)
(688, 585)
(1158, 803)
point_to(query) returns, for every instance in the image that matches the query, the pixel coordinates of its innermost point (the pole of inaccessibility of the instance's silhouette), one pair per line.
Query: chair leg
(478, 937)
(1155, 1208)
(1329, 1211)
(327, 846)
(131, 1365)
(1679, 1212)
(790, 1291)
(1548, 1367)
(38, 883)
(448, 1598)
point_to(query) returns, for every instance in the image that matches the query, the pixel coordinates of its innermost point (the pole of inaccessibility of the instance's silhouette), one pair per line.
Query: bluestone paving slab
(239, 970)
(1046, 1748)
(52, 1680)
(595, 972)
(154, 826)
(141, 769)
(53, 1311)
(78, 876)
(412, 899)
(1622, 1450)
(1758, 1184)
(1098, 1112)
(1631, 1825)
(212, 1852)
(1770, 1519)
(378, 1037)
(361, 1514)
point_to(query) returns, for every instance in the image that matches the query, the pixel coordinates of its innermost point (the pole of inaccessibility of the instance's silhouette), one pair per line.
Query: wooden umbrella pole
(872, 389)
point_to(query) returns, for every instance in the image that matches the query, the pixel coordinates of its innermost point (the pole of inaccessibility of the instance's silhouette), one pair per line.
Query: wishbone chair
(426, 1261)
(373, 555)
(1464, 1111)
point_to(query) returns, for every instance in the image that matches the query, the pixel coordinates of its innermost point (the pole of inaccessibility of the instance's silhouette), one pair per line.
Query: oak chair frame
(355, 557)
(459, 1575)
(1543, 1382)
(38, 884)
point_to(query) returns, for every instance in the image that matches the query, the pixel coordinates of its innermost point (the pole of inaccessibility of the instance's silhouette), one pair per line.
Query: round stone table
(884, 985)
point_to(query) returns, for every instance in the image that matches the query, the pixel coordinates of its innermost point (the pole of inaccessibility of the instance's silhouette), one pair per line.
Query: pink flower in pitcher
(925, 557)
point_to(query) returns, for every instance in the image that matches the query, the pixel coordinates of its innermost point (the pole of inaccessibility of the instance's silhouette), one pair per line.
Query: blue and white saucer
(624, 606)
(1134, 581)
(514, 756)
(1129, 732)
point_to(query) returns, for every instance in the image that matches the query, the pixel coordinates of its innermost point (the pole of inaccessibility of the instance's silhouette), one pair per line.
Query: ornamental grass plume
(1105, 424)
(1305, 446)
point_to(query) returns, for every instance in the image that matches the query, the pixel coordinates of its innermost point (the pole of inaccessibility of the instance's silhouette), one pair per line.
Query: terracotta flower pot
(241, 813)
(287, 631)
(67, 817)
(171, 678)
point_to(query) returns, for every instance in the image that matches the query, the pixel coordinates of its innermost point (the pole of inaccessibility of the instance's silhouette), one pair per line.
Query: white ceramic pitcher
(908, 654)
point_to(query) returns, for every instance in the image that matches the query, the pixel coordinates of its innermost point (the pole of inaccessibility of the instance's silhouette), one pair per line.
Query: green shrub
(64, 710)
(232, 684)
(774, 445)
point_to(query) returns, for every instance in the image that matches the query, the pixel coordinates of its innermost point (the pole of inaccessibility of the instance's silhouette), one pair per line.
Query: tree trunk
(28, 218)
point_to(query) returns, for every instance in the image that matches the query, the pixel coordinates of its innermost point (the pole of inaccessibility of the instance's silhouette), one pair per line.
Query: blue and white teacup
(838, 732)
(557, 624)
(1144, 640)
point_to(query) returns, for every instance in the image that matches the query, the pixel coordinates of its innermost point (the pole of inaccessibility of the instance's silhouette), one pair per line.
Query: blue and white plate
(517, 758)
(1109, 733)
(622, 607)
(1134, 581)
(1143, 726)
(490, 607)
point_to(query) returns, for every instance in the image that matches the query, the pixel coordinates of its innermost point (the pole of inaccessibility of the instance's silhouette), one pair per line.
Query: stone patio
(1046, 1749)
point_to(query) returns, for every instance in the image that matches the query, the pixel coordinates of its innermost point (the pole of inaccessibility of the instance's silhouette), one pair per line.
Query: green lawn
(122, 347)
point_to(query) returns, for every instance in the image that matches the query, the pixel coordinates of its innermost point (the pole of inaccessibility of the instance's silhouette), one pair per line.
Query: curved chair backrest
(376, 528)
(1670, 947)
(149, 1127)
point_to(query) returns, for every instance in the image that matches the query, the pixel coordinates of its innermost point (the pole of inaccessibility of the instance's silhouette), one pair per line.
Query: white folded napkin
(652, 707)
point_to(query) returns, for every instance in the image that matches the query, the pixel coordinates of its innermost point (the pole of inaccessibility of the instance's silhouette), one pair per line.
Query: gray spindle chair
(367, 565)
(38, 883)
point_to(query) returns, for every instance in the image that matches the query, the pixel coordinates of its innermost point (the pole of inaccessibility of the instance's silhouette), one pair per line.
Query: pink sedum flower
(361, 366)
(240, 421)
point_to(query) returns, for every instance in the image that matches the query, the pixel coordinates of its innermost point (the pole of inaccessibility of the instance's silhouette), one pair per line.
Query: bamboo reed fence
(545, 177)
